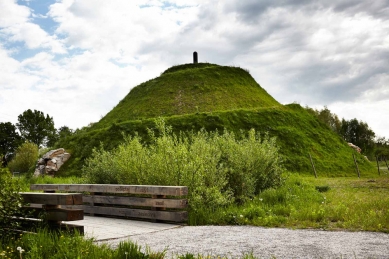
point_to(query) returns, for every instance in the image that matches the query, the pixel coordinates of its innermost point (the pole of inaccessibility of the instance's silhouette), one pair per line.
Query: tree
(360, 134)
(61, 134)
(35, 127)
(382, 147)
(9, 138)
(331, 119)
(25, 158)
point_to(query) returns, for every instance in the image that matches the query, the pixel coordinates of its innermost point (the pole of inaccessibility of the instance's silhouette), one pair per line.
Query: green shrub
(217, 168)
(25, 158)
(10, 203)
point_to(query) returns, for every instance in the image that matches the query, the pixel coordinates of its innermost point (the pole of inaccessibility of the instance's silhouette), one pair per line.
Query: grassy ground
(325, 203)
(342, 203)
(347, 203)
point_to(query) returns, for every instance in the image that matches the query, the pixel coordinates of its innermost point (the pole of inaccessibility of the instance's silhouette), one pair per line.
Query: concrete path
(101, 228)
(236, 241)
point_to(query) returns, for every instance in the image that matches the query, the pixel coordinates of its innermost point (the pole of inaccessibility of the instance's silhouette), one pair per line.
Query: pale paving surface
(102, 228)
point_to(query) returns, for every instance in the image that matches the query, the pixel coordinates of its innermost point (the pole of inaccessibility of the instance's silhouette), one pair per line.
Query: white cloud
(333, 53)
(16, 26)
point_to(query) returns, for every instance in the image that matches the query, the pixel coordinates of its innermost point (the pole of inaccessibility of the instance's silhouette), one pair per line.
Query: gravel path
(235, 241)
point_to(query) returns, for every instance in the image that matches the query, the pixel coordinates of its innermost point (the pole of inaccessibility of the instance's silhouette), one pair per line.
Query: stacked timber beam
(152, 202)
(46, 208)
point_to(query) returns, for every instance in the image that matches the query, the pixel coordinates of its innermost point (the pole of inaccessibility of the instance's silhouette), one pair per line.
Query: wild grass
(343, 203)
(187, 89)
(325, 203)
(298, 134)
(45, 244)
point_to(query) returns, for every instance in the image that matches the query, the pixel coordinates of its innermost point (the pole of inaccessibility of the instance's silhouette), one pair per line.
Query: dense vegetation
(217, 168)
(10, 202)
(297, 133)
(25, 158)
(353, 131)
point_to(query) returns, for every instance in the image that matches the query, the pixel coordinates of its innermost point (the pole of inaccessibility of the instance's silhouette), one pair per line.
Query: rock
(51, 162)
(41, 161)
(54, 153)
(358, 149)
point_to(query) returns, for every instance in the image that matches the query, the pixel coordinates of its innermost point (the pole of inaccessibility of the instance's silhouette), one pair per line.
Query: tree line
(33, 127)
(354, 131)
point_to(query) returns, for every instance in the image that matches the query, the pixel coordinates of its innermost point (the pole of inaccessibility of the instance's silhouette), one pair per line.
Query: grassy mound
(298, 134)
(195, 96)
(190, 88)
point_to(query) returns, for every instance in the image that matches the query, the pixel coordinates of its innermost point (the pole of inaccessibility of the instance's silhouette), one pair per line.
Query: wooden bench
(156, 203)
(46, 208)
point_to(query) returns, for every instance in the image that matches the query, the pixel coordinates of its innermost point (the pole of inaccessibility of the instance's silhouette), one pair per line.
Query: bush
(10, 203)
(25, 158)
(217, 168)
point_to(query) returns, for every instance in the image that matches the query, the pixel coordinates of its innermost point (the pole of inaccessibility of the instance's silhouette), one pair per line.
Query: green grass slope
(297, 131)
(190, 88)
(213, 97)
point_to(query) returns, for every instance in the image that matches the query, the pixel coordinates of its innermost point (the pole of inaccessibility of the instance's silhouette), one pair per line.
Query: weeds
(347, 203)
(217, 168)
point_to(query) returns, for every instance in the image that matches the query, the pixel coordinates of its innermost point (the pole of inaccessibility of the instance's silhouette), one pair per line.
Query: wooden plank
(174, 216)
(52, 198)
(56, 214)
(135, 201)
(115, 188)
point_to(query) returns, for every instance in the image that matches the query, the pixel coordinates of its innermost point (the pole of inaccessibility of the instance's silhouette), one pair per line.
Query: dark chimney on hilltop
(195, 58)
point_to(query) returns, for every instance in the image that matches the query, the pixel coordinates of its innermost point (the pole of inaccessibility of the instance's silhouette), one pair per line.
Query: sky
(76, 59)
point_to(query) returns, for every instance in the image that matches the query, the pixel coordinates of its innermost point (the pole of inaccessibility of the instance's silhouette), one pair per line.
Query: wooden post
(378, 166)
(356, 166)
(313, 166)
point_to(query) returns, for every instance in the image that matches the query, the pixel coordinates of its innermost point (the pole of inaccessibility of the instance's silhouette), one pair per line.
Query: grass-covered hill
(187, 89)
(195, 96)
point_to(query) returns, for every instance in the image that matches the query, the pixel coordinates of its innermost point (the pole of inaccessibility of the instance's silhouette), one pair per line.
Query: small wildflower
(21, 250)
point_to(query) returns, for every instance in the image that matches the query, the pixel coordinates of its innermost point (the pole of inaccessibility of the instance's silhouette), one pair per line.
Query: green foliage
(298, 133)
(54, 245)
(10, 203)
(359, 133)
(346, 203)
(25, 158)
(216, 167)
(192, 97)
(382, 148)
(9, 138)
(35, 127)
(328, 118)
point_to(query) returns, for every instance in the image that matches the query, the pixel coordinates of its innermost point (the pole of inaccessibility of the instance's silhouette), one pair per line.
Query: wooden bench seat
(158, 203)
(46, 208)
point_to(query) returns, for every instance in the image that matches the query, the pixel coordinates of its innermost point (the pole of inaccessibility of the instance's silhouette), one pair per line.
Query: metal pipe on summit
(195, 58)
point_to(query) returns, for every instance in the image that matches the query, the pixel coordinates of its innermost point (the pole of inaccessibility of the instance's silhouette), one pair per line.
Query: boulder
(51, 162)
(358, 149)
(54, 153)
